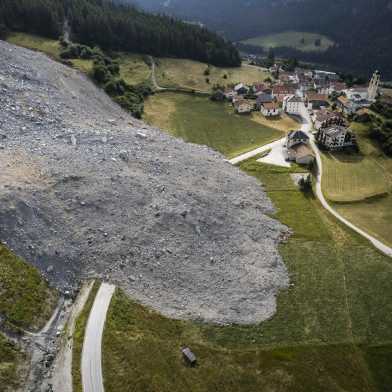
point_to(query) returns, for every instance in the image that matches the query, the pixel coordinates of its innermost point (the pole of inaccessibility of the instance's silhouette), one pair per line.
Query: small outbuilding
(189, 356)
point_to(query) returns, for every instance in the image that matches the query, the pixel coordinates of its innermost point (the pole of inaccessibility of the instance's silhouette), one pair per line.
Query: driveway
(277, 155)
(92, 347)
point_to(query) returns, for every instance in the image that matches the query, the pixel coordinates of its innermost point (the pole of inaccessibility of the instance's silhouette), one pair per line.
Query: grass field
(298, 40)
(133, 68)
(26, 301)
(332, 330)
(198, 120)
(49, 46)
(10, 356)
(352, 178)
(190, 74)
(78, 338)
(373, 215)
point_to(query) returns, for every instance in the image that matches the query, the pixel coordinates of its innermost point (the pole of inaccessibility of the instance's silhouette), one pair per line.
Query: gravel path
(88, 191)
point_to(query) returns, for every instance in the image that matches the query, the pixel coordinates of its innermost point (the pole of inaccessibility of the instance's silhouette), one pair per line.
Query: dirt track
(86, 190)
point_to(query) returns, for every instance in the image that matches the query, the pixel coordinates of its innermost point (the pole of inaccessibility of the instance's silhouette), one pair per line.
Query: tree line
(116, 27)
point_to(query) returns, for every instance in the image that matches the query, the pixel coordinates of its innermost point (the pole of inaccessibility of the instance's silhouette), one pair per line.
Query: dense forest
(115, 27)
(362, 29)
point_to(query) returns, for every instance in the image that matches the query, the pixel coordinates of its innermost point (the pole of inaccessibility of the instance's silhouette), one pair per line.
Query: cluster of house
(310, 91)
(293, 92)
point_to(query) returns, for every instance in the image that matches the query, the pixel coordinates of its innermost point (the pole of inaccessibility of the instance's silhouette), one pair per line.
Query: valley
(237, 259)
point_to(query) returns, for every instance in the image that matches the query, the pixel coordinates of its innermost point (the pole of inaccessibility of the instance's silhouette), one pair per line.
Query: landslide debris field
(86, 190)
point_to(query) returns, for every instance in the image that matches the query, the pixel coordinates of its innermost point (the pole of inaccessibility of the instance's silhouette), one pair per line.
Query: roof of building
(270, 105)
(240, 86)
(324, 115)
(335, 130)
(283, 89)
(317, 97)
(293, 98)
(263, 98)
(302, 150)
(297, 135)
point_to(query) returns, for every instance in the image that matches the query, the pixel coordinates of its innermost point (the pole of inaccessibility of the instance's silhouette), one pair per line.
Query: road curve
(306, 127)
(92, 378)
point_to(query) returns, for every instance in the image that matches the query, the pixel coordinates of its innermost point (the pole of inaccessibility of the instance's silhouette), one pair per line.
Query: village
(316, 97)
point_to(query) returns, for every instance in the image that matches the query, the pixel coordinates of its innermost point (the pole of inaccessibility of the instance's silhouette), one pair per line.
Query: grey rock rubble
(86, 190)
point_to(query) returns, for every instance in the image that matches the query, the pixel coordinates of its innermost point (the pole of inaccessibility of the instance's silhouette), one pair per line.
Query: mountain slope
(361, 28)
(117, 28)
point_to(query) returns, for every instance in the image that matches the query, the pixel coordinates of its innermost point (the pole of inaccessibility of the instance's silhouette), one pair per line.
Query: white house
(270, 109)
(335, 137)
(293, 104)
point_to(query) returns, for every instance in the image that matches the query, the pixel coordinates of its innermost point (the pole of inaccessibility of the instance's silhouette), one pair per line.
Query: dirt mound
(86, 190)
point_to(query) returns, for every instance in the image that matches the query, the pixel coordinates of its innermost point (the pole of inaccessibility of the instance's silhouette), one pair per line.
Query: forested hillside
(362, 29)
(118, 28)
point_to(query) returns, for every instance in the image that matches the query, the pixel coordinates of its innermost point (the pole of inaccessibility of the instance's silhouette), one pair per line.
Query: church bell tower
(373, 86)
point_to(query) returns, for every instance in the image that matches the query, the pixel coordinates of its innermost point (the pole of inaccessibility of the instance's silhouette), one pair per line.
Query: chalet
(293, 105)
(296, 137)
(316, 101)
(324, 118)
(336, 137)
(346, 106)
(281, 91)
(241, 89)
(262, 99)
(270, 109)
(243, 106)
(298, 149)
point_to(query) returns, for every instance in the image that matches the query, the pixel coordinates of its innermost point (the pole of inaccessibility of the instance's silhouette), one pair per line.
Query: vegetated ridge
(117, 28)
(90, 191)
(361, 29)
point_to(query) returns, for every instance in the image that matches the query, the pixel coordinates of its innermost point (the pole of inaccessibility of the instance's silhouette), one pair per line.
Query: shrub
(100, 73)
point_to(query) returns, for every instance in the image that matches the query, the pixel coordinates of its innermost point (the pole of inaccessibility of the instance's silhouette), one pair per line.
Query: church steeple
(373, 86)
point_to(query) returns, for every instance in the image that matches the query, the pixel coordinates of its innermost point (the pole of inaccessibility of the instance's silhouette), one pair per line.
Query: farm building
(270, 109)
(243, 106)
(298, 149)
(335, 137)
(301, 154)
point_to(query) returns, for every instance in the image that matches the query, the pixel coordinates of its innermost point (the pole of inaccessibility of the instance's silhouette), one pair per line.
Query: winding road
(307, 127)
(92, 378)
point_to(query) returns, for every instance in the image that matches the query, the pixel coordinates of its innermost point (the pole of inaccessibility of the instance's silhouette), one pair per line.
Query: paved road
(307, 127)
(277, 155)
(259, 150)
(92, 347)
